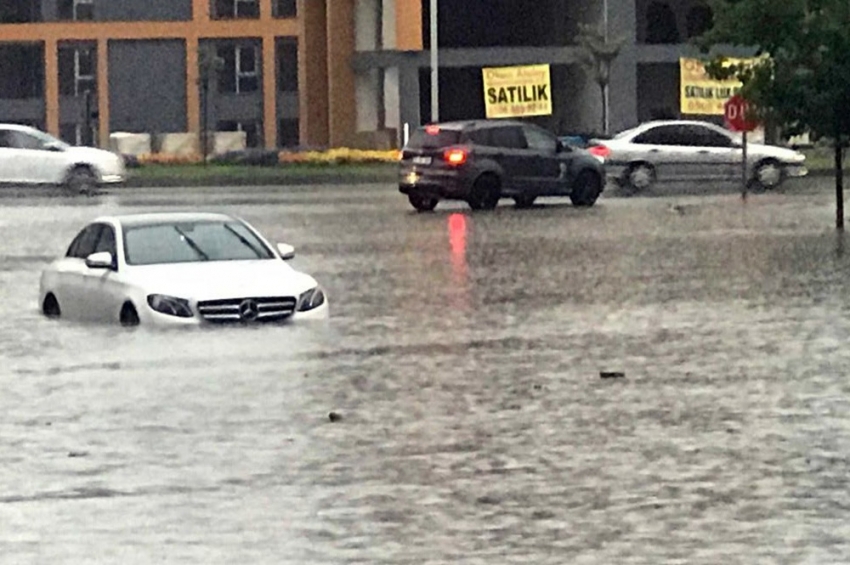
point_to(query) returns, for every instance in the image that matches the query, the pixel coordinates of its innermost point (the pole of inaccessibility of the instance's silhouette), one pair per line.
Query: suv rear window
(421, 139)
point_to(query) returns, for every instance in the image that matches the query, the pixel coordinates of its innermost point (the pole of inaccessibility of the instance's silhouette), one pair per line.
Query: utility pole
(435, 73)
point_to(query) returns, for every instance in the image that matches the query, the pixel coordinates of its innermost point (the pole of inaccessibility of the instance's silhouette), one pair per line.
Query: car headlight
(311, 299)
(170, 305)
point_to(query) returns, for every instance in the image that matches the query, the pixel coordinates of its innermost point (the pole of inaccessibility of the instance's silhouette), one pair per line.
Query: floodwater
(463, 354)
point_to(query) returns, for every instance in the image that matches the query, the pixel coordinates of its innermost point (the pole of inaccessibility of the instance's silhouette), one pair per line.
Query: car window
(431, 137)
(186, 242)
(5, 139)
(510, 137)
(540, 139)
(661, 135)
(106, 241)
(84, 244)
(707, 137)
(22, 140)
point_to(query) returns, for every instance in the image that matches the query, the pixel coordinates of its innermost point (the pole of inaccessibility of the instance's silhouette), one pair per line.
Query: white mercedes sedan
(177, 268)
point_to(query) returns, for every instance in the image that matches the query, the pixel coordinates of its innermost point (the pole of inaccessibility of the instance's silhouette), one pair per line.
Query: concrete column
(408, 25)
(103, 91)
(269, 91)
(312, 72)
(341, 82)
(51, 86)
(623, 92)
(193, 95)
(201, 10)
(408, 89)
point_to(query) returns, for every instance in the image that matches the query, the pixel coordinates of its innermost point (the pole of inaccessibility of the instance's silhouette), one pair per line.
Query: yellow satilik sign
(701, 94)
(511, 92)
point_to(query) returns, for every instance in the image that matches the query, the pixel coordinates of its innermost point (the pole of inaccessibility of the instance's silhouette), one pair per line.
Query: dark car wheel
(639, 177)
(81, 180)
(486, 193)
(524, 201)
(50, 308)
(586, 189)
(767, 175)
(422, 203)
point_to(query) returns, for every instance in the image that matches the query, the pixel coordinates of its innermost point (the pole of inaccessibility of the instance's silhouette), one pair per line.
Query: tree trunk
(839, 185)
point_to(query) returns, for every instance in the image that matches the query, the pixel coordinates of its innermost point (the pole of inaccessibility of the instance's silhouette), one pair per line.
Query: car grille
(251, 309)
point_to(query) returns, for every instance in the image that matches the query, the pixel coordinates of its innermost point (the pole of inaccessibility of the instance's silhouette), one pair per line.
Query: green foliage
(803, 83)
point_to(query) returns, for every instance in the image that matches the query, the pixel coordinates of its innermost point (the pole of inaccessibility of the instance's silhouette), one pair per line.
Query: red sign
(735, 112)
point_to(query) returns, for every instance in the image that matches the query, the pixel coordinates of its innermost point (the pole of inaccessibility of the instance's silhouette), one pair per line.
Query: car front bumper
(150, 317)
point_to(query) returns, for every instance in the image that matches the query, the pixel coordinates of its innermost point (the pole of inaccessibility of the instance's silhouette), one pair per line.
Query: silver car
(682, 150)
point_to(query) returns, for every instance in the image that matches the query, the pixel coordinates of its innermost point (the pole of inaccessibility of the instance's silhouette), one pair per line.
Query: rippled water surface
(463, 354)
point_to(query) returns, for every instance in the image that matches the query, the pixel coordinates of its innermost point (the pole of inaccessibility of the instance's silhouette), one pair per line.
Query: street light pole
(435, 73)
(605, 96)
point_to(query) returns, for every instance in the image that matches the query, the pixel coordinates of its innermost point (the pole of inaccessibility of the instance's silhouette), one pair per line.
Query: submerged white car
(177, 268)
(32, 157)
(692, 150)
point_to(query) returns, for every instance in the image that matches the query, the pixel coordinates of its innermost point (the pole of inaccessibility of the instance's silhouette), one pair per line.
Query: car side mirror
(99, 260)
(286, 251)
(54, 147)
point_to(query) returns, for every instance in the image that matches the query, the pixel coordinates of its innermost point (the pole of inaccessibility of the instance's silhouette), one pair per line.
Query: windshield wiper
(191, 243)
(244, 241)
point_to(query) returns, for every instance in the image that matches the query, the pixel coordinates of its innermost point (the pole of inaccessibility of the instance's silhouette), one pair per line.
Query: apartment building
(320, 72)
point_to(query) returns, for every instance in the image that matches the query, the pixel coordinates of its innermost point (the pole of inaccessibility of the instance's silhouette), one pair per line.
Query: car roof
(654, 123)
(472, 124)
(153, 218)
(17, 127)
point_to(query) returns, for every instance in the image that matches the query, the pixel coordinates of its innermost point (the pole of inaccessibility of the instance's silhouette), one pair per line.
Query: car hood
(781, 153)
(216, 280)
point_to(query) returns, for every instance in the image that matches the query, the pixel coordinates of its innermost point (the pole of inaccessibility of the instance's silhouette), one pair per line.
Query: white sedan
(691, 150)
(177, 268)
(31, 157)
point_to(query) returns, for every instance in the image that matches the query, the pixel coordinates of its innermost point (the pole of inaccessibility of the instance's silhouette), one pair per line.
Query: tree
(803, 81)
(598, 54)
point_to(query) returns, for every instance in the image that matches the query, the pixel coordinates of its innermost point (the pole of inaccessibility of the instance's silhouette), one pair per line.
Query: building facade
(320, 72)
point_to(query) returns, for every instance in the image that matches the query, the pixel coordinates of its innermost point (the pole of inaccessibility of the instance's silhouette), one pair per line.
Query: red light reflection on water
(457, 225)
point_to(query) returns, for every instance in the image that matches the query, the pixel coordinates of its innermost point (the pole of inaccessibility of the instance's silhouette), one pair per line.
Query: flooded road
(463, 354)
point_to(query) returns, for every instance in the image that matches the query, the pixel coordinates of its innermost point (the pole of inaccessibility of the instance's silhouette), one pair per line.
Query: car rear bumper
(112, 179)
(442, 184)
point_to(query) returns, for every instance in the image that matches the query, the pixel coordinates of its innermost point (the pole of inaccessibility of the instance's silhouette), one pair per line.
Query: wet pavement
(463, 359)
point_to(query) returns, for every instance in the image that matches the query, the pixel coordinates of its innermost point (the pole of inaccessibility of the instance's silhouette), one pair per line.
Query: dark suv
(481, 161)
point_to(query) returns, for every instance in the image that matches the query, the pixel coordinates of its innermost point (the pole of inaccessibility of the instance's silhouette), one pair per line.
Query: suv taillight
(455, 156)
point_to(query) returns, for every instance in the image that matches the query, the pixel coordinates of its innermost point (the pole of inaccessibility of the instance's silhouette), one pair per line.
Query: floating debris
(612, 374)
(335, 417)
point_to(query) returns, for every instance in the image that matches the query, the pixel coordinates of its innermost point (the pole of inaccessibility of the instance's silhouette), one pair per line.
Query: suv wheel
(586, 189)
(422, 203)
(485, 193)
(81, 180)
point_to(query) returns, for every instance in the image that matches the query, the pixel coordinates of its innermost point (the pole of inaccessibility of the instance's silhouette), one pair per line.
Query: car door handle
(653, 150)
(703, 151)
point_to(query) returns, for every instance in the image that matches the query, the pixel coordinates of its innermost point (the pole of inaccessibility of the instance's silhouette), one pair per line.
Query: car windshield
(46, 139)
(186, 242)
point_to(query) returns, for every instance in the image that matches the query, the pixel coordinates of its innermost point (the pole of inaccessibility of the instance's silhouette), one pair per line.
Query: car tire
(639, 177)
(767, 175)
(524, 201)
(486, 193)
(128, 317)
(81, 180)
(586, 189)
(422, 203)
(50, 307)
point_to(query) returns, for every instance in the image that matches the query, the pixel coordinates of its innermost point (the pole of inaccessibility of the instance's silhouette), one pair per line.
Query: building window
(285, 8)
(287, 65)
(236, 9)
(699, 20)
(77, 70)
(251, 129)
(661, 24)
(76, 10)
(239, 73)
